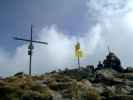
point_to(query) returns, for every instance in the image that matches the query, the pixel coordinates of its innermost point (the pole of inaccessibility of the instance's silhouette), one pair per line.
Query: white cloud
(116, 25)
(108, 7)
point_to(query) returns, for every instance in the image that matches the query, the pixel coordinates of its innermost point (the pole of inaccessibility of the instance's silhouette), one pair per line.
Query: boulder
(112, 61)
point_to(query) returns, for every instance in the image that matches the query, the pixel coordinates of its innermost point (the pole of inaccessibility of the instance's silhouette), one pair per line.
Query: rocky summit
(108, 81)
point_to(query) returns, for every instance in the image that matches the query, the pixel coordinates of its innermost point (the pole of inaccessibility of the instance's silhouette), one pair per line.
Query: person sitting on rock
(100, 65)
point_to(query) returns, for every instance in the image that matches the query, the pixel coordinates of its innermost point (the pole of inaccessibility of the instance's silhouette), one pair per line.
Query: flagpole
(78, 61)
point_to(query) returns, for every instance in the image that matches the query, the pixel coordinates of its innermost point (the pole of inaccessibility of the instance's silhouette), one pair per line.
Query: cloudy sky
(95, 23)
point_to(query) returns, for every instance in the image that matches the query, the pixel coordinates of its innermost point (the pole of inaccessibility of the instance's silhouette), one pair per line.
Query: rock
(32, 95)
(129, 69)
(19, 74)
(121, 97)
(99, 87)
(112, 61)
(90, 68)
(86, 82)
(108, 77)
(84, 85)
(107, 72)
(129, 76)
(57, 96)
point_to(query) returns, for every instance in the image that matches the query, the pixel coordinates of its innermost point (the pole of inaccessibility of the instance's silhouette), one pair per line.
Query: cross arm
(27, 40)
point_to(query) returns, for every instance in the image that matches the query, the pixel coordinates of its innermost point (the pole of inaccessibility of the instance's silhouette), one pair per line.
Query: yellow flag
(77, 46)
(78, 52)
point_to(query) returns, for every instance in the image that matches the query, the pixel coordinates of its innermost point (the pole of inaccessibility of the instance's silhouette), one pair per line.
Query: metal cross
(31, 47)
